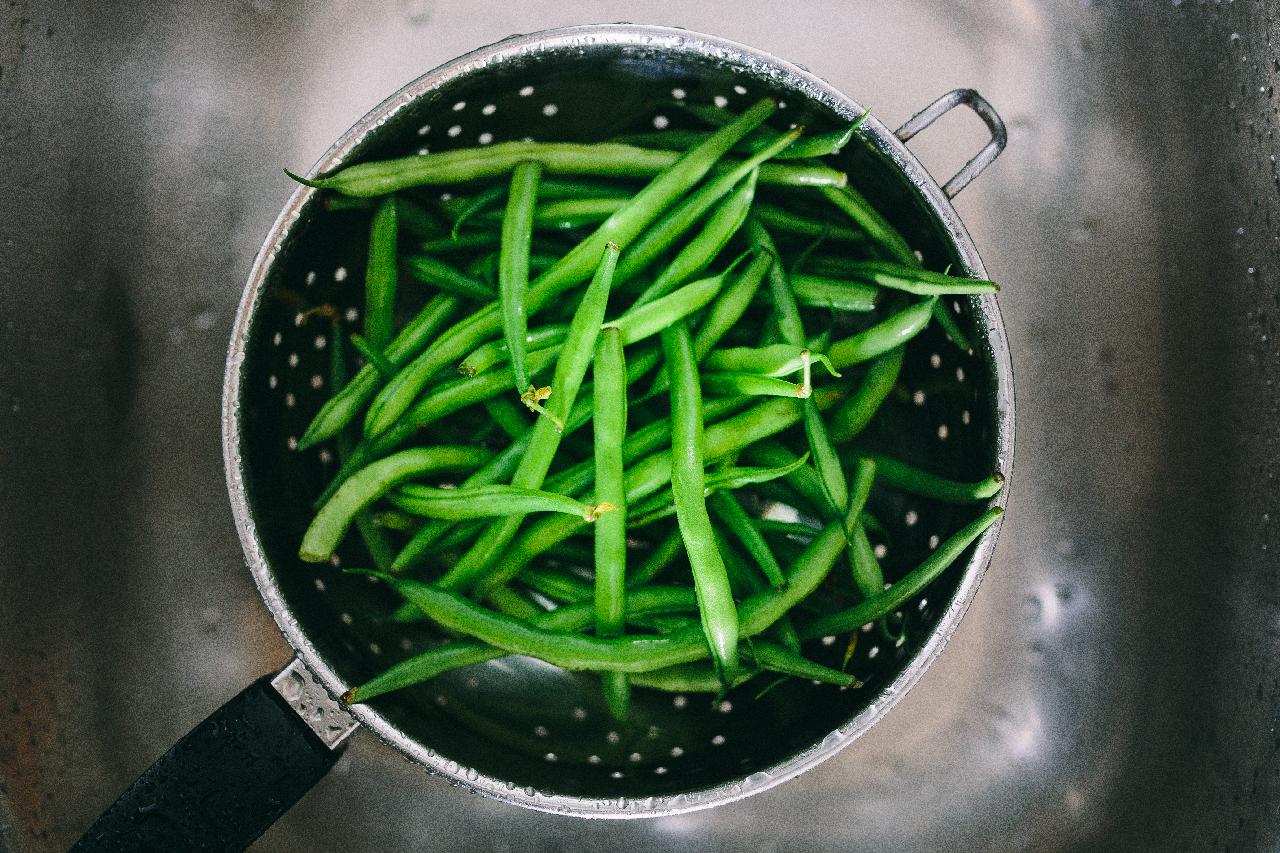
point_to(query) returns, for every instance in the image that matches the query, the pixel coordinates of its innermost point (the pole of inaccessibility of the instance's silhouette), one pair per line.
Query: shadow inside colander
(518, 719)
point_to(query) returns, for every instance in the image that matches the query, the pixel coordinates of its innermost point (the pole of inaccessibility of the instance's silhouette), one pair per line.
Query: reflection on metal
(323, 714)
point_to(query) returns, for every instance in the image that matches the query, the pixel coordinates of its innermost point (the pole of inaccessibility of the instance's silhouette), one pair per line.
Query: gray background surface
(1116, 681)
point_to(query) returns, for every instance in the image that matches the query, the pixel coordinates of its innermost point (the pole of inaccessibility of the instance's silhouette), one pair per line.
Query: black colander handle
(229, 779)
(988, 153)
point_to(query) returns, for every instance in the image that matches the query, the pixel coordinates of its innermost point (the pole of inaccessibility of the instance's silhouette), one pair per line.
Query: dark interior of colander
(519, 720)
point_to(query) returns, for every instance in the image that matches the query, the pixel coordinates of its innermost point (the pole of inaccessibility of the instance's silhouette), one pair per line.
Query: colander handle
(980, 161)
(232, 776)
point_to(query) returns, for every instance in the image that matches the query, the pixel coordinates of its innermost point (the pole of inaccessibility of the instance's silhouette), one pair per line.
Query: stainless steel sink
(1115, 685)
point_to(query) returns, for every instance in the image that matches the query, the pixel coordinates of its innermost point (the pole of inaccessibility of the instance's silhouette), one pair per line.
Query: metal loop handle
(979, 161)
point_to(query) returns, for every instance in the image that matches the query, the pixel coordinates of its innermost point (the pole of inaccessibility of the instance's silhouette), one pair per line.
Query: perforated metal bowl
(517, 729)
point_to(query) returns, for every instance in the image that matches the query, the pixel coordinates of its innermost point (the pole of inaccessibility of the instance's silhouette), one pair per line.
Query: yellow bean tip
(594, 512)
(998, 476)
(350, 697)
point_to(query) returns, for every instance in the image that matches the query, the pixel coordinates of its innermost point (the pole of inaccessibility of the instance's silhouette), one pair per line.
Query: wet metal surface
(1115, 682)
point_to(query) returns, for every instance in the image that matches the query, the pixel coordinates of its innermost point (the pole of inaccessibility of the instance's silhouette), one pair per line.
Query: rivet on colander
(340, 274)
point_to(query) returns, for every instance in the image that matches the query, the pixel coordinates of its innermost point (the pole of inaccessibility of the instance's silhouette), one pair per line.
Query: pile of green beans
(723, 313)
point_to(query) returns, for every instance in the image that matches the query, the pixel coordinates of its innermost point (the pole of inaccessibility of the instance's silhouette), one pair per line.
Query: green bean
(487, 355)
(753, 385)
(485, 268)
(513, 264)
(415, 219)
(433, 662)
(578, 192)
(864, 567)
(501, 467)
(577, 265)
(570, 481)
(481, 200)
(805, 479)
(784, 221)
(816, 145)
(338, 411)
(452, 396)
(899, 251)
(742, 578)
(610, 425)
(867, 575)
(816, 292)
(480, 501)
(653, 472)
(628, 653)
(576, 553)
(726, 506)
(790, 325)
(697, 677)
(562, 587)
(853, 415)
(657, 560)
(776, 658)
(825, 460)
(715, 598)
(775, 360)
(440, 275)
(725, 312)
(652, 243)
(907, 588)
(576, 189)
(951, 326)
(730, 305)
(648, 320)
(725, 479)
(575, 358)
(891, 332)
(699, 252)
(601, 159)
(913, 279)
(567, 214)
(394, 519)
(647, 439)
(786, 312)
(374, 538)
(372, 355)
(907, 478)
(461, 243)
(866, 217)
(370, 483)
(508, 415)
(784, 631)
(380, 276)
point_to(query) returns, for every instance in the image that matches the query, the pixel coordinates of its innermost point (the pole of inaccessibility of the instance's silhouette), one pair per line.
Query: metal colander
(518, 729)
